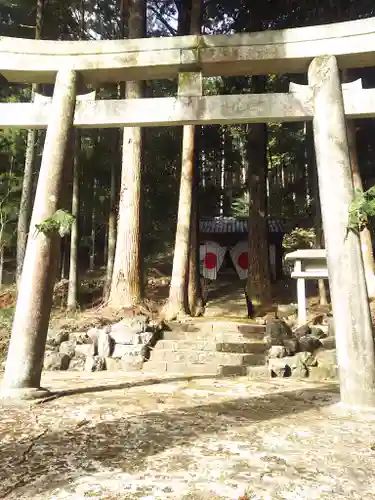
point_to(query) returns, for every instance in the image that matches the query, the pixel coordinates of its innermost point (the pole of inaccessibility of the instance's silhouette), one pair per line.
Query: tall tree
(178, 300)
(127, 280)
(27, 185)
(72, 301)
(195, 300)
(258, 287)
(365, 235)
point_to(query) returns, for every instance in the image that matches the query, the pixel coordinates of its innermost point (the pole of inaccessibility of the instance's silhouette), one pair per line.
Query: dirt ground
(116, 436)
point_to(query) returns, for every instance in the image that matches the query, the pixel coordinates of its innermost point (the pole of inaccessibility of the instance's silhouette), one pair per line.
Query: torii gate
(319, 50)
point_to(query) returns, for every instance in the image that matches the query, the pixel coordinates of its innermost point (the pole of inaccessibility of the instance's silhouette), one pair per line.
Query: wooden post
(301, 294)
(352, 321)
(27, 345)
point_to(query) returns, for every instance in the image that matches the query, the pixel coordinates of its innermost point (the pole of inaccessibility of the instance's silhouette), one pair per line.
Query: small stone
(322, 372)
(300, 370)
(277, 351)
(325, 357)
(286, 310)
(318, 332)
(124, 336)
(279, 367)
(94, 364)
(55, 361)
(306, 358)
(55, 339)
(93, 334)
(113, 364)
(81, 337)
(328, 342)
(85, 350)
(135, 325)
(105, 344)
(68, 347)
(121, 350)
(77, 363)
(276, 331)
(302, 331)
(291, 346)
(309, 343)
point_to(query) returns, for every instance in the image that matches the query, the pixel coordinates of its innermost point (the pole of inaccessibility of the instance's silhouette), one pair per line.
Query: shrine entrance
(320, 50)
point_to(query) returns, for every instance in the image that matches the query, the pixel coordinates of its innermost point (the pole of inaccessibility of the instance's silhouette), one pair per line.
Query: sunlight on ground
(120, 437)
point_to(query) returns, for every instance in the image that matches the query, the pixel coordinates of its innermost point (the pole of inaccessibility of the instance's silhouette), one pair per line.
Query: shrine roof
(215, 225)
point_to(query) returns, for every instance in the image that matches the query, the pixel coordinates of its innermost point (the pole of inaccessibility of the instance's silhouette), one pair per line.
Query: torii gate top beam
(287, 51)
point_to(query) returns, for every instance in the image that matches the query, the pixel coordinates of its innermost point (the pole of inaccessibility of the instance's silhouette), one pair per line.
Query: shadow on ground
(56, 451)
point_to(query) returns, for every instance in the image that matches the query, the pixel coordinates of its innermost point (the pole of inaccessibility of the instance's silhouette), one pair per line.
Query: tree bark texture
(127, 282)
(74, 236)
(34, 302)
(258, 286)
(27, 183)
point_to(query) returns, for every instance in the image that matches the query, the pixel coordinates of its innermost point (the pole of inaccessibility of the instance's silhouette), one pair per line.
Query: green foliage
(60, 222)
(361, 208)
(299, 238)
(10, 185)
(240, 206)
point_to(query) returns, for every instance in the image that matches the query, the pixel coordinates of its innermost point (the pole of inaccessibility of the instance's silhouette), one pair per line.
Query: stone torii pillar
(351, 313)
(34, 302)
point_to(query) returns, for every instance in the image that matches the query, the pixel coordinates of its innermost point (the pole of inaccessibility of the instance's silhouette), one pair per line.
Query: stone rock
(68, 347)
(276, 331)
(306, 358)
(113, 364)
(105, 344)
(124, 336)
(93, 334)
(81, 337)
(123, 364)
(56, 361)
(302, 331)
(300, 370)
(56, 338)
(121, 350)
(85, 350)
(136, 325)
(291, 345)
(323, 372)
(277, 351)
(278, 367)
(77, 363)
(325, 357)
(285, 310)
(318, 332)
(328, 342)
(94, 364)
(308, 343)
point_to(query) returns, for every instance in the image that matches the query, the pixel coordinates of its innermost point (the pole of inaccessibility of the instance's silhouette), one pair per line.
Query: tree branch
(160, 18)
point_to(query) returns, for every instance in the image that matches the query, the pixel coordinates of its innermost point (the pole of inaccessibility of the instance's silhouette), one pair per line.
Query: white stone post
(354, 339)
(301, 294)
(34, 302)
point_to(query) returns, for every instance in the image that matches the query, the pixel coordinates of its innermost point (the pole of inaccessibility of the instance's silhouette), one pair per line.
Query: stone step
(246, 347)
(261, 371)
(229, 337)
(189, 369)
(220, 358)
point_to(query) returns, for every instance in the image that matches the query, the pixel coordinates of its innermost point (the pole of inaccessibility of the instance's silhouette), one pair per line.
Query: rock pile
(122, 346)
(305, 352)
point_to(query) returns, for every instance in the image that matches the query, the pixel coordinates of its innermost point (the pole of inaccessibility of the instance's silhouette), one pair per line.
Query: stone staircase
(210, 348)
